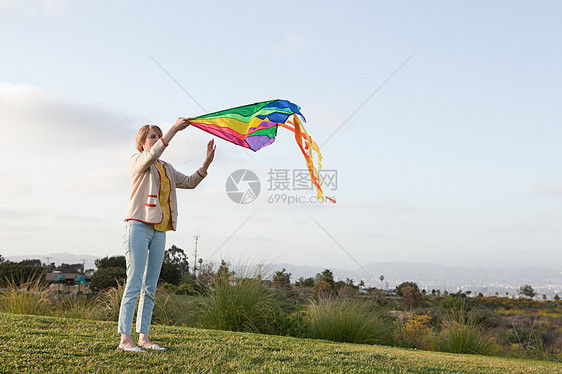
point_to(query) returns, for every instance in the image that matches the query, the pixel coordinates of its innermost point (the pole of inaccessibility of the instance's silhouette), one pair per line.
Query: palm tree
(381, 278)
(328, 276)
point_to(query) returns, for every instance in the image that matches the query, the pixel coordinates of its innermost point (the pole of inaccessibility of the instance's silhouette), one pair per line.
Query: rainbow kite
(254, 126)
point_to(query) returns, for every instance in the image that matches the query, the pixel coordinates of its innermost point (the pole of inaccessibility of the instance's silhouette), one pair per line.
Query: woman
(151, 212)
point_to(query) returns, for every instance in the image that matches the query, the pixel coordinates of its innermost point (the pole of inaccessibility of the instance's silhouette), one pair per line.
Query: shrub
(111, 262)
(27, 298)
(108, 277)
(411, 297)
(347, 292)
(533, 337)
(451, 302)
(461, 333)
(170, 309)
(415, 332)
(110, 302)
(348, 321)
(294, 324)
(324, 290)
(457, 337)
(191, 286)
(400, 288)
(20, 273)
(170, 273)
(244, 305)
(168, 287)
(77, 306)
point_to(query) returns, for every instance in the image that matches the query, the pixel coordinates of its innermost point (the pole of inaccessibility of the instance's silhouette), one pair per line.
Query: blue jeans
(144, 252)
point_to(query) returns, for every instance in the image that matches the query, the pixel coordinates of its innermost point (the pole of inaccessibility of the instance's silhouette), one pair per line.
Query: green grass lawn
(59, 345)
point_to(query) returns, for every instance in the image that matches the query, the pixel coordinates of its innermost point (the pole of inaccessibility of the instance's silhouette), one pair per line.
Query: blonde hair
(143, 133)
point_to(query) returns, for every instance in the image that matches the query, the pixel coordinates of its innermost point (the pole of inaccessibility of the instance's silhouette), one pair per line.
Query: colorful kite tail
(308, 146)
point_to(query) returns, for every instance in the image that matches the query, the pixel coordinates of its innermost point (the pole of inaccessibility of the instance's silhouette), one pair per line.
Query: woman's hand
(210, 155)
(181, 124)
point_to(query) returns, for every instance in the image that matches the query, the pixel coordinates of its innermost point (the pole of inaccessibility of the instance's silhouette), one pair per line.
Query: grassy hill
(61, 345)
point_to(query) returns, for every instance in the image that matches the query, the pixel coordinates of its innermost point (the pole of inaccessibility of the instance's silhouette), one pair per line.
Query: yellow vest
(166, 224)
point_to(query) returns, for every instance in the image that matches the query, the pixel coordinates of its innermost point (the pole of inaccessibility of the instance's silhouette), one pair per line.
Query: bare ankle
(143, 339)
(126, 340)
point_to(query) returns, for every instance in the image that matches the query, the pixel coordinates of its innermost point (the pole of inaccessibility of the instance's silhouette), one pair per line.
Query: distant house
(73, 283)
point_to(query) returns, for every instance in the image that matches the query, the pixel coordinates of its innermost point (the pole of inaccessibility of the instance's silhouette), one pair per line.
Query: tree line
(178, 277)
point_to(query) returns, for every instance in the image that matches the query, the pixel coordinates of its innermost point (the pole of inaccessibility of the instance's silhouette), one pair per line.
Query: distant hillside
(435, 276)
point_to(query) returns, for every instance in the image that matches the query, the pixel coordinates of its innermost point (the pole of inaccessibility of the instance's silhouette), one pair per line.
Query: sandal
(135, 349)
(154, 347)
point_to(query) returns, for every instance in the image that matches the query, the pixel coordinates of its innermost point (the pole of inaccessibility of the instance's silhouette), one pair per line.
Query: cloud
(525, 253)
(39, 120)
(388, 205)
(553, 189)
(13, 185)
(53, 6)
(6, 3)
(293, 44)
(520, 228)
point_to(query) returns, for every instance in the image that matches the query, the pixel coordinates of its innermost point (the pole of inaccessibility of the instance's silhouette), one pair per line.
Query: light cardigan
(145, 185)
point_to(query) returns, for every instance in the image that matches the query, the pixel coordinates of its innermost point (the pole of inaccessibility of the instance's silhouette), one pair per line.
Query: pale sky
(456, 160)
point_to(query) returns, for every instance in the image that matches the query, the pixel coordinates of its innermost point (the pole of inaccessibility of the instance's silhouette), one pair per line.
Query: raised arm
(210, 156)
